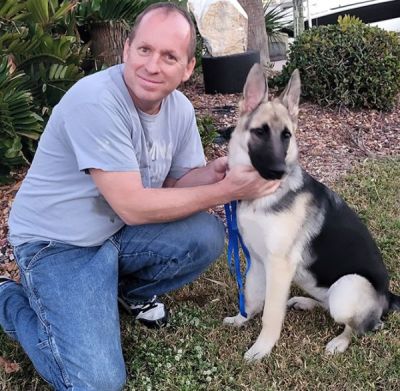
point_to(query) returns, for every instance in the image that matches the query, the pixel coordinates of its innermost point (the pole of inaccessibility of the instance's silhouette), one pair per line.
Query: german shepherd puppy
(303, 233)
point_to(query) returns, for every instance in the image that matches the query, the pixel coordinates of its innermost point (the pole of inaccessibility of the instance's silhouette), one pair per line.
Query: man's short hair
(168, 8)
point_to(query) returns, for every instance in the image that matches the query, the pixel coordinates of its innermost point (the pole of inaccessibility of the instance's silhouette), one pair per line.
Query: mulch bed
(331, 141)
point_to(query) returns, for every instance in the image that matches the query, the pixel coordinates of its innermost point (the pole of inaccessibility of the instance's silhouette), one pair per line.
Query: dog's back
(344, 245)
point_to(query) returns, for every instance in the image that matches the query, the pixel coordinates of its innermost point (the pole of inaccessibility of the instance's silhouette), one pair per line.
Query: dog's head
(265, 134)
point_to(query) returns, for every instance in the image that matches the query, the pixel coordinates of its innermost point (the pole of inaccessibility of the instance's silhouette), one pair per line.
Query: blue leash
(233, 250)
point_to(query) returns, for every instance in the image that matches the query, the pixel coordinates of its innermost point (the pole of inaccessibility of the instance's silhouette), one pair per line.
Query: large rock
(222, 24)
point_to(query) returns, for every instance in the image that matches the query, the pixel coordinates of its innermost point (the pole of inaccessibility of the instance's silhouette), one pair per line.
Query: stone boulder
(222, 24)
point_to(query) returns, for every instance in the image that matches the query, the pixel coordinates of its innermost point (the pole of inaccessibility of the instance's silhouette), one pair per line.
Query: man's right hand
(245, 183)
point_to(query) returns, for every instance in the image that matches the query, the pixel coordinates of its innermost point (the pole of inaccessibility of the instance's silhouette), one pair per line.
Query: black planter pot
(227, 74)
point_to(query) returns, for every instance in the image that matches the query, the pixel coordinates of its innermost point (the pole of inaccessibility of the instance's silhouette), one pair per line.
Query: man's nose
(153, 63)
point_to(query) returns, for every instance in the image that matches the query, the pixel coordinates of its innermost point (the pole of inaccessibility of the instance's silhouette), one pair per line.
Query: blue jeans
(65, 311)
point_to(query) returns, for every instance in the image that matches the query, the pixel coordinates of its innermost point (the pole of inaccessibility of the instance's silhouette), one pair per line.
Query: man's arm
(213, 172)
(135, 204)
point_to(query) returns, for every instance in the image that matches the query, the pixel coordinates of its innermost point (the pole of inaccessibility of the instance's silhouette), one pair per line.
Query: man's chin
(148, 103)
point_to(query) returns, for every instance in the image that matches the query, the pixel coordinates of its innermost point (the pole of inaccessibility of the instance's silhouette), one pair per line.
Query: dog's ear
(290, 97)
(254, 90)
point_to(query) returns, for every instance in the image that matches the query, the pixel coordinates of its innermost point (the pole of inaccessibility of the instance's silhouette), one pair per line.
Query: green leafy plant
(105, 25)
(274, 19)
(348, 64)
(36, 36)
(41, 57)
(20, 126)
(208, 132)
(126, 11)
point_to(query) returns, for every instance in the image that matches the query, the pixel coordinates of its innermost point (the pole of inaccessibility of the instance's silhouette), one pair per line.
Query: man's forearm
(196, 177)
(137, 205)
(168, 204)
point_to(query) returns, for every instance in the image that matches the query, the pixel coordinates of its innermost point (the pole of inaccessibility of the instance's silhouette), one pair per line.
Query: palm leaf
(275, 19)
(19, 125)
(109, 10)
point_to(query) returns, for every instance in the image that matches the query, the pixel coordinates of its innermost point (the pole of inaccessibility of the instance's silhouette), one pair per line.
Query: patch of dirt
(331, 141)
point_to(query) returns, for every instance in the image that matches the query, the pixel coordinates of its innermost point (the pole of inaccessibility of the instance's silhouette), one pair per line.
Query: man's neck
(150, 109)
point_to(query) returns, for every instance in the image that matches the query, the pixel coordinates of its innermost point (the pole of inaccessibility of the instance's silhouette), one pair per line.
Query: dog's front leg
(279, 275)
(254, 293)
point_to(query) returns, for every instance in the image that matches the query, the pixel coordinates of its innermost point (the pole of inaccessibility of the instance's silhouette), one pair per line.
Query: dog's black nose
(276, 174)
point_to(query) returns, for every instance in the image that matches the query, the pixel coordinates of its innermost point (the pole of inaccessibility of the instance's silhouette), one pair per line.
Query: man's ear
(254, 91)
(189, 69)
(290, 97)
(125, 53)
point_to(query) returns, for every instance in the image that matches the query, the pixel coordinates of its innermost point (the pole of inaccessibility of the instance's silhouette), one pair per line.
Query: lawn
(196, 352)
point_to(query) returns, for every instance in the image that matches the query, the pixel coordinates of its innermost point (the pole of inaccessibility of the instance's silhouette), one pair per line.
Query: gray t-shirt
(96, 125)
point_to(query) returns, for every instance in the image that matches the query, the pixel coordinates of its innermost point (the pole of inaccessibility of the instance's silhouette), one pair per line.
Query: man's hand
(245, 183)
(218, 168)
(213, 172)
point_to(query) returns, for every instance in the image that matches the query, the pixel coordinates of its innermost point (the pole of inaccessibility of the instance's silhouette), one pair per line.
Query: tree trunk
(107, 42)
(257, 34)
(298, 17)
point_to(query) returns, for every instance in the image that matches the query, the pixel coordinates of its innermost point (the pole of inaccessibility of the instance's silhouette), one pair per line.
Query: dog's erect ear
(290, 97)
(254, 89)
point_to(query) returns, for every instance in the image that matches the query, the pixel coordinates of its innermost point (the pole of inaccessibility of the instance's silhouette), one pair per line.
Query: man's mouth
(149, 81)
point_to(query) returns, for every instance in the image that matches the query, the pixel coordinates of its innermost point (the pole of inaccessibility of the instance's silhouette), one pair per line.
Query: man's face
(156, 61)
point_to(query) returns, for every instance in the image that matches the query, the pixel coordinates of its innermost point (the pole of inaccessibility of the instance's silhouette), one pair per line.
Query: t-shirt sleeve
(190, 152)
(100, 138)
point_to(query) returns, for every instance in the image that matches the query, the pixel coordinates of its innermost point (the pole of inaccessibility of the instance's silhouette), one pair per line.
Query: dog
(302, 233)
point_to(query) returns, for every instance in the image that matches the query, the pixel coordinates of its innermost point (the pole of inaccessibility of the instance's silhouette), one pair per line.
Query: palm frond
(109, 10)
(275, 19)
(19, 124)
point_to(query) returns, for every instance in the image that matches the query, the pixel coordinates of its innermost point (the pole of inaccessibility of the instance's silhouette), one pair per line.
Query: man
(113, 206)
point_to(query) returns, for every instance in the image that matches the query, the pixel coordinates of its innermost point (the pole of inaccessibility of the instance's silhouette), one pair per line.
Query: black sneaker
(151, 313)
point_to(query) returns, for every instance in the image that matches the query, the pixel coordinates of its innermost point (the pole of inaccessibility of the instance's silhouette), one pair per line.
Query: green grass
(195, 352)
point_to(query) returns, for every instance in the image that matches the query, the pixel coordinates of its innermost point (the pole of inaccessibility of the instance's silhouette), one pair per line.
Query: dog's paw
(337, 345)
(379, 326)
(257, 352)
(236, 321)
(301, 303)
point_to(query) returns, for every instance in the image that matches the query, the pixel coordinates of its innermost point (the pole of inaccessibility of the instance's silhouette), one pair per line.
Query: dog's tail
(394, 302)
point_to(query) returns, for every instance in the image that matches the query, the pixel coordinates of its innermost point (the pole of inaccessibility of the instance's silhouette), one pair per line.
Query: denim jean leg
(20, 322)
(158, 258)
(73, 293)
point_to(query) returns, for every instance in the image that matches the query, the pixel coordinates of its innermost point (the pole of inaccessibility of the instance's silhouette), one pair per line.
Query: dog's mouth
(272, 174)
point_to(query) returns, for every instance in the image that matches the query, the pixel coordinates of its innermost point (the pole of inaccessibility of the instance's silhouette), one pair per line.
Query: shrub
(40, 58)
(208, 132)
(20, 127)
(348, 64)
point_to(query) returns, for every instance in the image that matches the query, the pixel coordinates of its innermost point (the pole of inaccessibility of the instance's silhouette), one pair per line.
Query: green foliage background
(347, 64)
(43, 52)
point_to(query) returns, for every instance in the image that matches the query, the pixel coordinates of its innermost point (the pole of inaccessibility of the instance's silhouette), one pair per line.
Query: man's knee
(209, 235)
(101, 379)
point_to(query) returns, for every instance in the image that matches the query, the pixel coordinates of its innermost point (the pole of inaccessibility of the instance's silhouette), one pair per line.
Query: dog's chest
(268, 233)
(254, 230)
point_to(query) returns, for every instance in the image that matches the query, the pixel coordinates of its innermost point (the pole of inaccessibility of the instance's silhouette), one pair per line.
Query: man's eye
(171, 58)
(143, 50)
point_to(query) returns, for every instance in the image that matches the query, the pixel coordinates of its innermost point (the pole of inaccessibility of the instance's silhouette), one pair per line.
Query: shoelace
(147, 306)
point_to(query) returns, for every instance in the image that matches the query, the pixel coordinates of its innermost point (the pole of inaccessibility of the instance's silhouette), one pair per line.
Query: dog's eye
(259, 131)
(286, 134)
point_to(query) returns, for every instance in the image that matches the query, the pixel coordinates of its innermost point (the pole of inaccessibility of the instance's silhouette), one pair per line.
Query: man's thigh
(73, 291)
(180, 246)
